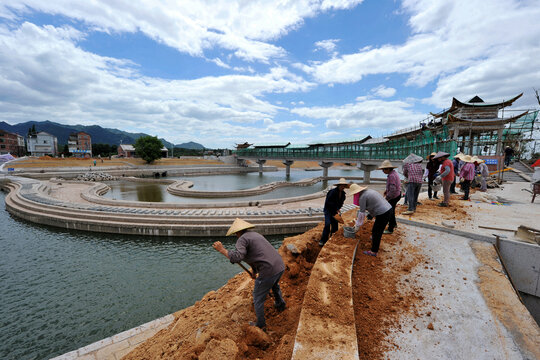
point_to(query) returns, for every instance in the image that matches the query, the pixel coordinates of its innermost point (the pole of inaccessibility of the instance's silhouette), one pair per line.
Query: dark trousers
(330, 226)
(413, 189)
(466, 186)
(261, 290)
(392, 218)
(430, 190)
(377, 230)
(453, 186)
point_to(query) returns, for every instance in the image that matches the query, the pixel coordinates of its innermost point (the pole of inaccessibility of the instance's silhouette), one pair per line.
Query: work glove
(359, 220)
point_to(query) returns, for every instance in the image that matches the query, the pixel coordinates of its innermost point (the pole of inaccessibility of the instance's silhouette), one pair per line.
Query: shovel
(246, 270)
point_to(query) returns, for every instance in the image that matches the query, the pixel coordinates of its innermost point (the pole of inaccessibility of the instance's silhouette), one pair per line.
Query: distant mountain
(190, 145)
(99, 135)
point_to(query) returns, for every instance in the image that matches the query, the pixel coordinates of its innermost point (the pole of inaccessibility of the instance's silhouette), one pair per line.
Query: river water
(61, 290)
(134, 191)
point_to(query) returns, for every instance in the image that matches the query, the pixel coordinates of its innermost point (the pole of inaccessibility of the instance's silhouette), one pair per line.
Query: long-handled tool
(247, 270)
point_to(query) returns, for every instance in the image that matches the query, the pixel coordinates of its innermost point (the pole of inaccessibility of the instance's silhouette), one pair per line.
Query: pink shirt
(467, 171)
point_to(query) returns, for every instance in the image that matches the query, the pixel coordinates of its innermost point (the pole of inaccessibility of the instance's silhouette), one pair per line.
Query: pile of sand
(216, 326)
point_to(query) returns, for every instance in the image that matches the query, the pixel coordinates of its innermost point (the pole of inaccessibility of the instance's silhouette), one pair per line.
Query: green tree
(148, 148)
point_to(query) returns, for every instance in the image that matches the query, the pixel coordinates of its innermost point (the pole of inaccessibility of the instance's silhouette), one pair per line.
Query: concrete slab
(470, 310)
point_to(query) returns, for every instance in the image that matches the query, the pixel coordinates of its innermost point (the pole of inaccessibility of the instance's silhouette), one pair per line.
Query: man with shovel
(333, 202)
(264, 260)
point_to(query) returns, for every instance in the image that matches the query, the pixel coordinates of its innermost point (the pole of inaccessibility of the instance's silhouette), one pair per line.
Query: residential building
(80, 144)
(11, 143)
(41, 144)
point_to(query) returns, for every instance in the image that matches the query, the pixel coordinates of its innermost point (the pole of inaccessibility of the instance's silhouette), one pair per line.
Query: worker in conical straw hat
(466, 174)
(332, 205)
(431, 172)
(412, 170)
(377, 207)
(483, 170)
(392, 193)
(446, 175)
(266, 264)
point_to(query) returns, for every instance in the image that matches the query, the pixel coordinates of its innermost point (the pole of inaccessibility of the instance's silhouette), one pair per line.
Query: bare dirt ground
(47, 162)
(216, 326)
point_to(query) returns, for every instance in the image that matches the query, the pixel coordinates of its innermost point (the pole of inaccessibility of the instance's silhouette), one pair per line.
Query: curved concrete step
(27, 201)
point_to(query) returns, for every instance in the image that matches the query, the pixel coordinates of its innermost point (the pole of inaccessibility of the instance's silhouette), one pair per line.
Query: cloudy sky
(220, 72)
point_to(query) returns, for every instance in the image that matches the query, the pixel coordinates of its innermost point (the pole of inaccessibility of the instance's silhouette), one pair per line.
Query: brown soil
(432, 213)
(379, 299)
(223, 315)
(216, 326)
(46, 162)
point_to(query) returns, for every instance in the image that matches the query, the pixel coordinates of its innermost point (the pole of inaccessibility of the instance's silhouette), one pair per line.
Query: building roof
(486, 122)
(340, 142)
(270, 145)
(474, 102)
(127, 147)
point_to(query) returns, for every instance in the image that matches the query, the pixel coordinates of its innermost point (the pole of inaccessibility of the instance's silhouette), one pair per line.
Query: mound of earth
(216, 327)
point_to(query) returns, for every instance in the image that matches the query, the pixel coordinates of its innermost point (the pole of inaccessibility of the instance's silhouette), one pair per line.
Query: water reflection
(135, 191)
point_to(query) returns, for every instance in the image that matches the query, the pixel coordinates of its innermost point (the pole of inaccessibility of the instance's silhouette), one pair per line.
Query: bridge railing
(383, 151)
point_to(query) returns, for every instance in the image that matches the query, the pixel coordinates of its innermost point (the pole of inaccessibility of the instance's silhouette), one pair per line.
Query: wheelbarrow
(535, 190)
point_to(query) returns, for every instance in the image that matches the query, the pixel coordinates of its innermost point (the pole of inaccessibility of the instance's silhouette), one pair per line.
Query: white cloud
(363, 114)
(464, 45)
(287, 125)
(51, 78)
(327, 45)
(244, 27)
(383, 91)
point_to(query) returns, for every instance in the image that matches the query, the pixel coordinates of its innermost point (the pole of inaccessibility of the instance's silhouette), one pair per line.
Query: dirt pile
(216, 326)
(211, 327)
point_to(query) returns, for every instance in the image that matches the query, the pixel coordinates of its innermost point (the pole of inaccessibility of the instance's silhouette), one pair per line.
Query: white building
(41, 144)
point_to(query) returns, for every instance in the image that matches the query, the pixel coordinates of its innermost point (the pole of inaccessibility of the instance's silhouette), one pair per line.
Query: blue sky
(225, 72)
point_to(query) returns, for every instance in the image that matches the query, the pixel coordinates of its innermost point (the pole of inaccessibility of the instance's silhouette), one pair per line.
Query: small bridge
(473, 128)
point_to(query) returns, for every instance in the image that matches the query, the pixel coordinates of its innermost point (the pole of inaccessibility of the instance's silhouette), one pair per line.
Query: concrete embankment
(29, 199)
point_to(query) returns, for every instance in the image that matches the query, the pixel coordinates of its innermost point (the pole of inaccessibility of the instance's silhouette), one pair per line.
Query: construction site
(458, 282)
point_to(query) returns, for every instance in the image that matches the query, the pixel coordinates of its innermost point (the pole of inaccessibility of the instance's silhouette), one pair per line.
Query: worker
(333, 203)
(457, 164)
(412, 169)
(378, 208)
(446, 175)
(392, 194)
(483, 171)
(254, 249)
(508, 155)
(430, 173)
(466, 175)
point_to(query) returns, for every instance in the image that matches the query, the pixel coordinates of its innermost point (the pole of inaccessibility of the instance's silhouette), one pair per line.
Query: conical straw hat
(342, 181)
(355, 188)
(476, 159)
(441, 154)
(467, 158)
(239, 225)
(412, 158)
(386, 164)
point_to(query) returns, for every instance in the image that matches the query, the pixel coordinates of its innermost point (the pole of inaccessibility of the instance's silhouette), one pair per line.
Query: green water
(61, 290)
